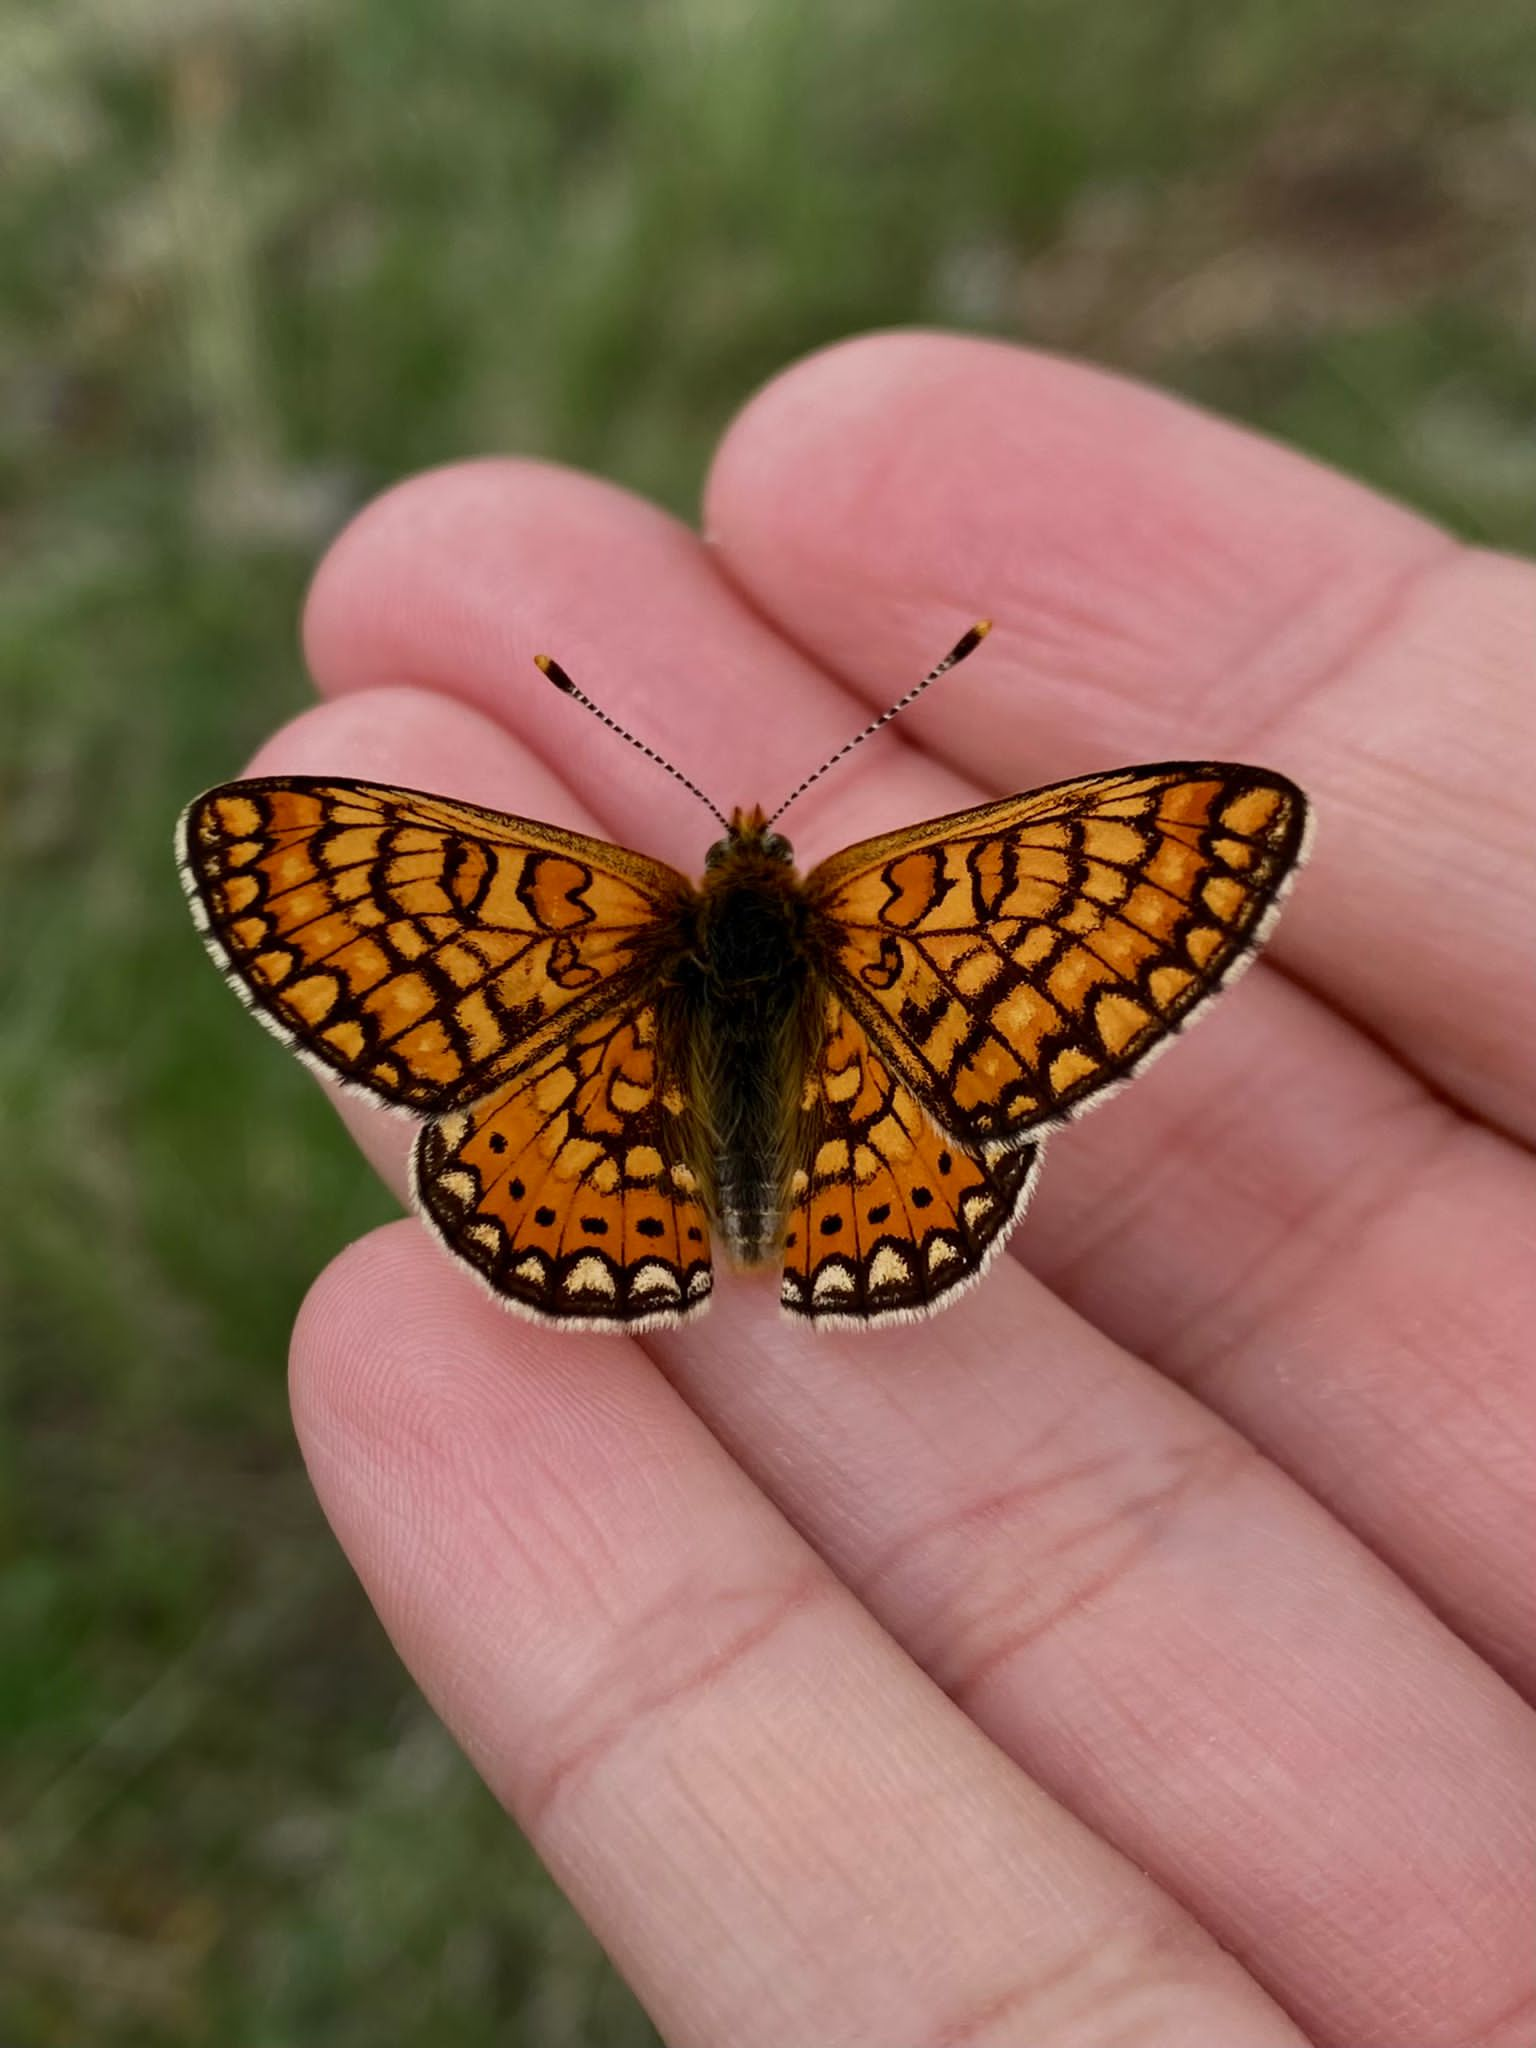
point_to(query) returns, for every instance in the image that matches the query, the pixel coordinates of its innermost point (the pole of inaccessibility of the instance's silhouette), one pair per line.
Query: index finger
(780, 1829)
(1166, 586)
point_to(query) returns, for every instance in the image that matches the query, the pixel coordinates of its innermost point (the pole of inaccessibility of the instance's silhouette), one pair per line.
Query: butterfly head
(748, 836)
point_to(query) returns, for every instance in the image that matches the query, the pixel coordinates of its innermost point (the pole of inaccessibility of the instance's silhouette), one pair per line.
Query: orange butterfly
(849, 1072)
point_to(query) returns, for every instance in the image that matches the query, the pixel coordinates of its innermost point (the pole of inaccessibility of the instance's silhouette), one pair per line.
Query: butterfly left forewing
(568, 1189)
(416, 947)
(1016, 961)
(889, 1218)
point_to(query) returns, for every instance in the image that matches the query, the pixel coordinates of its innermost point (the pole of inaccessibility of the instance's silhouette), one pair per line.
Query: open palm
(1135, 1652)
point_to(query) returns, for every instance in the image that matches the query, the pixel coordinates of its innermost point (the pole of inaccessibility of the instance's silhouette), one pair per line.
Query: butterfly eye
(717, 853)
(777, 847)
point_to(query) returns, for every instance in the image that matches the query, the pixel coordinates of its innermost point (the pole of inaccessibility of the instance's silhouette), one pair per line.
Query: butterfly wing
(421, 949)
(568, 1188)
(1015, 961)
(888, 1216)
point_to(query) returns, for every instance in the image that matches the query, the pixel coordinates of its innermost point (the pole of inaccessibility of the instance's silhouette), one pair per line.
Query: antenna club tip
(982, 628)
(548, 666)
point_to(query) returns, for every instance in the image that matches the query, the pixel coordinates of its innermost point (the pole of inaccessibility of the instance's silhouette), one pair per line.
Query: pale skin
(1142, 1651)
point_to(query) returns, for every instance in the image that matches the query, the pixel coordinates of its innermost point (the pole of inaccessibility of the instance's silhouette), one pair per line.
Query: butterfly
(849, 1073)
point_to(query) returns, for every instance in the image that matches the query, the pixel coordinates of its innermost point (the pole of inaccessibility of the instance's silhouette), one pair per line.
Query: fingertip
(457, 577)
(889, 427)
(422, 1406)
(400, 1354)
(985, 474)
(354, 593)
(378, 1302)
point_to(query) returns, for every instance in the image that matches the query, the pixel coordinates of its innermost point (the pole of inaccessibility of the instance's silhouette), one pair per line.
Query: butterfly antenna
(563, 683)
(966, 644)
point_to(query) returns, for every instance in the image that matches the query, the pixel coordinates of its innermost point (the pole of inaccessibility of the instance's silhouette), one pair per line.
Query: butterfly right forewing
(1016, 961)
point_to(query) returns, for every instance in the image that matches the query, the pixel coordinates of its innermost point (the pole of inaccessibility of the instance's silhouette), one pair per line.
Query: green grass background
(257, 259)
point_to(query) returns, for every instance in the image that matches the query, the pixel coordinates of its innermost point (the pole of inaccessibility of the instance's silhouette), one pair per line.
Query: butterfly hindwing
(888, 1216)
(1014, 961)
(568, 1188)
(417, 947)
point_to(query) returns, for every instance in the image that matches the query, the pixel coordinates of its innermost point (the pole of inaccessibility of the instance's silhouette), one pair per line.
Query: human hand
(1134, 1652)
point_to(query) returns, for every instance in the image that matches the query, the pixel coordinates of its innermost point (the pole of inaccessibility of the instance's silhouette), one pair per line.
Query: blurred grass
(259, 258)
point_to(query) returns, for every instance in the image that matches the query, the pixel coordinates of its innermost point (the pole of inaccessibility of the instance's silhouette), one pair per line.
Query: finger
(1279, 1165)
(1174, 1639)
(779, 1829)
(1166, 586)
(1086, 1458)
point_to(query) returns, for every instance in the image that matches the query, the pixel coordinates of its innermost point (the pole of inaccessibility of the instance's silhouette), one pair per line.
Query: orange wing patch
(568, 1189)
(418, 948)
(1016, 960)
(888, 1217)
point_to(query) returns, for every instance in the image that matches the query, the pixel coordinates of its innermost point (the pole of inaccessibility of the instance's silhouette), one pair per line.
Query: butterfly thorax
(747, 1028)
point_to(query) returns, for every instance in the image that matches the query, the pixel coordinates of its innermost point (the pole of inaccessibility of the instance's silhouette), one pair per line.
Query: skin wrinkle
(578, 1755)
(820, 1860)
(1136, 1964)
(1384, 617)
(989, 1515)
(1331, 1228)
(969, 2029)
(1205, 707)
(1182, 1144)
(1470, 1386)
(758, 1996)
(1511, 2026)
(1439, 1087)
(1168, 1951)
(1220, 1358)
(1437, 806)
(1136, 1525)
(550, 1556)
(430, 1426)
(1186, 1147)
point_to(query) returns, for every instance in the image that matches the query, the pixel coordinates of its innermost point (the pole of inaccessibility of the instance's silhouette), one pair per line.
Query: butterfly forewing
(569, 1189)
(888, 1216)
(419, 948)
(1013, 961)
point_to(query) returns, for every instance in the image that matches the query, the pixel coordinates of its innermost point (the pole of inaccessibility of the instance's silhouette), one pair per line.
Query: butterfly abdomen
(748, 1004)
